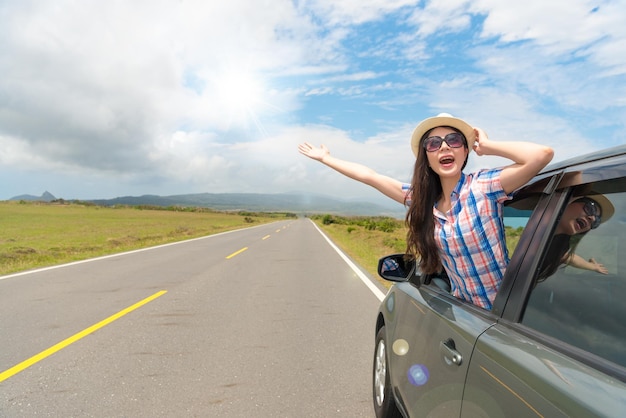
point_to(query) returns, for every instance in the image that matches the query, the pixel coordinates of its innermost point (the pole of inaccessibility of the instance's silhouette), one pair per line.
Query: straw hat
(442, 119)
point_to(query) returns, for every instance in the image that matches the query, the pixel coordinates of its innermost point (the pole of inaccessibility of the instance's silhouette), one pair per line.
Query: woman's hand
(595, 266)
(313, 152)
(481, 141)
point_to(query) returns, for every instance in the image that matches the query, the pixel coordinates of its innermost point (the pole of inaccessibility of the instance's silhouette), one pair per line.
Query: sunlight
(239, 91)
(241, 95)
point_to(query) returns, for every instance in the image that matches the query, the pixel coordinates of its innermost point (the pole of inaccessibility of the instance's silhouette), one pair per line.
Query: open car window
(516, 215)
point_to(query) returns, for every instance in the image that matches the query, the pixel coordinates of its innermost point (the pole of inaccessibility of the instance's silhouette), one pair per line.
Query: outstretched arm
(528, 159)
(577, 261)
(386, 185)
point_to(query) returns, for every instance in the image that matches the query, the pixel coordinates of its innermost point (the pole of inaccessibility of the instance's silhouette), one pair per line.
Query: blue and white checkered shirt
(471, 238)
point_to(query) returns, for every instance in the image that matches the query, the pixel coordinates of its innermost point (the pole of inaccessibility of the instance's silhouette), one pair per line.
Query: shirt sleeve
(406, 188)
(488, 181)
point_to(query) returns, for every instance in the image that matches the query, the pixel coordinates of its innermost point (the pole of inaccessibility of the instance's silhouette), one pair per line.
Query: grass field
(36, 234)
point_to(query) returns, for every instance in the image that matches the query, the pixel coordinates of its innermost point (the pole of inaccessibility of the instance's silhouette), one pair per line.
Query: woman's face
(575, 220)
(446, 161)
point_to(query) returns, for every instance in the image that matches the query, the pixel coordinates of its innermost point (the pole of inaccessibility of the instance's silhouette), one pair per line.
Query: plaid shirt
(471, 239)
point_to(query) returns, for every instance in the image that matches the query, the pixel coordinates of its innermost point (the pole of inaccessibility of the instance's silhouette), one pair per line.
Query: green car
(554, 343)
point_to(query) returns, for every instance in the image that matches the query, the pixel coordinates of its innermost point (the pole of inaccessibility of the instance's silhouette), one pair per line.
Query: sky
(101, 99)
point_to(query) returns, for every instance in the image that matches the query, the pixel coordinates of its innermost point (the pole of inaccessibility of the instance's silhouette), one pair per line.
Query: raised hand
(313, 152)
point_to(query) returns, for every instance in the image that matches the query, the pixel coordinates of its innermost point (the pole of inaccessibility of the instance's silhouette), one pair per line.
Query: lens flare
(418, 375)
(400, 347)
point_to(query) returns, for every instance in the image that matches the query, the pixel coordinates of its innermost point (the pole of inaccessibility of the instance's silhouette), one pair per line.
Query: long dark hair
(425, 191)
(561, 250)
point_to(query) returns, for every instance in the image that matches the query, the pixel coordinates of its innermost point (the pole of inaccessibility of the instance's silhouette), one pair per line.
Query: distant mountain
(283, 202)
(257, 202)
(45, 197)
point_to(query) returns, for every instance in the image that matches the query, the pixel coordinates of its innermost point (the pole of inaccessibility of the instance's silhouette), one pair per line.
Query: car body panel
(512, 372)
(425, 373)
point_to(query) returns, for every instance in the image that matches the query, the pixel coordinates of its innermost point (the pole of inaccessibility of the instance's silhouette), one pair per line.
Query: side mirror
(396, 268)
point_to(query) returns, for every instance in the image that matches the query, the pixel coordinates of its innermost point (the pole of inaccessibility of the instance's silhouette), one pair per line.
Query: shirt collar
(459, 185)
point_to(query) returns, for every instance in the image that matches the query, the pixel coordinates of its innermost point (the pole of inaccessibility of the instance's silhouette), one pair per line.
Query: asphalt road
(268, 321)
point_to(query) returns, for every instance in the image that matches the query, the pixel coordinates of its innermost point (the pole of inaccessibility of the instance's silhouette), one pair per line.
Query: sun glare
(241, 96)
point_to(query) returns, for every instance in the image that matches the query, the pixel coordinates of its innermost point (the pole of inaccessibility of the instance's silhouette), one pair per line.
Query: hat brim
(442, 120)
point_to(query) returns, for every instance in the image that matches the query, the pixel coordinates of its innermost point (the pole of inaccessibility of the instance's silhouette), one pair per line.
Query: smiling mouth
(446, 160)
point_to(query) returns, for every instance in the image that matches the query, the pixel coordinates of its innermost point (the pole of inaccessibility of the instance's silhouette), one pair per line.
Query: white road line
(375, 290)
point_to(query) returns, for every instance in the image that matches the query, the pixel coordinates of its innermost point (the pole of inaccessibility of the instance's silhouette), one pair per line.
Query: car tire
(384, 402)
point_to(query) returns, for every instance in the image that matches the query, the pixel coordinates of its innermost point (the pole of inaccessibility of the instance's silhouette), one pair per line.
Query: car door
(559, 348)
(430, 338)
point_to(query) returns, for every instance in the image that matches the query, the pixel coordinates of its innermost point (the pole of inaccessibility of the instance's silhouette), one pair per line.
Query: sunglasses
(454, 140)
(591, 208)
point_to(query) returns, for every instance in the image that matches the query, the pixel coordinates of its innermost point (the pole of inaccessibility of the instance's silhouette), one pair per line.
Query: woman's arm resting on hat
(529, 159)
(386, 185)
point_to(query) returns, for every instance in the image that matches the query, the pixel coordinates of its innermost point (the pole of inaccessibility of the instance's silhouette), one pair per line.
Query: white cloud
(584, 28)
(446, 16)
(354, 12)
(182, 96)
(94, 76)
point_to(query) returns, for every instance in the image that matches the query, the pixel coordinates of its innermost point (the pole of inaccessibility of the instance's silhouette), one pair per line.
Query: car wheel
(384, 403)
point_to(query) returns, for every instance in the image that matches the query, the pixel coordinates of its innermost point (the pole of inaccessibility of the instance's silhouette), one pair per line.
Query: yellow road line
(237, 252)
(266, 237)
(38, 357)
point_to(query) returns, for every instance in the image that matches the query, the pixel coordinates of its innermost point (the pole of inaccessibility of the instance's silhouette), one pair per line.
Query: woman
(580, 216)
(454, 219)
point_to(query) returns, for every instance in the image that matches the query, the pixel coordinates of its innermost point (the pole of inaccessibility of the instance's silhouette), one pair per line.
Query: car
(554, 342)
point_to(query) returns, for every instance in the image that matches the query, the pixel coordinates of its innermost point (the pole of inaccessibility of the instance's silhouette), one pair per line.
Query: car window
(580, 286)
(516, 215)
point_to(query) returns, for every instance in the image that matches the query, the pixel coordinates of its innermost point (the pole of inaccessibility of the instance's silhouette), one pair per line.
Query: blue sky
(106, 99)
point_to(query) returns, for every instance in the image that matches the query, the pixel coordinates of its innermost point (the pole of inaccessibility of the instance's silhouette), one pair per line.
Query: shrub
(387, 225)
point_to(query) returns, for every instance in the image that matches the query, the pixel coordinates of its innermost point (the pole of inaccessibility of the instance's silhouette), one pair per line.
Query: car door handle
(450, 355)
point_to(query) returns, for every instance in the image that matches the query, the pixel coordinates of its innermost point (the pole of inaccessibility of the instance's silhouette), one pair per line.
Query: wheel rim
(380, 373)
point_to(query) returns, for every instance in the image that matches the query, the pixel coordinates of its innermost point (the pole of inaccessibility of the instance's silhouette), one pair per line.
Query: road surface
(268, 321)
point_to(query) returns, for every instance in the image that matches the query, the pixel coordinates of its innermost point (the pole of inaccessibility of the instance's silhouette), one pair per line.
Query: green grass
(38, 235)
(365, 239)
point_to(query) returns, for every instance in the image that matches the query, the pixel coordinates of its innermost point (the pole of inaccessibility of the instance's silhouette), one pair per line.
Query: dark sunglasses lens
(591, 209)
(454, 140)
(433, 143)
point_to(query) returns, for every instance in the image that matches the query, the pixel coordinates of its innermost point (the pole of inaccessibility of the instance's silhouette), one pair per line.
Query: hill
(281, 202)
(45, 197)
